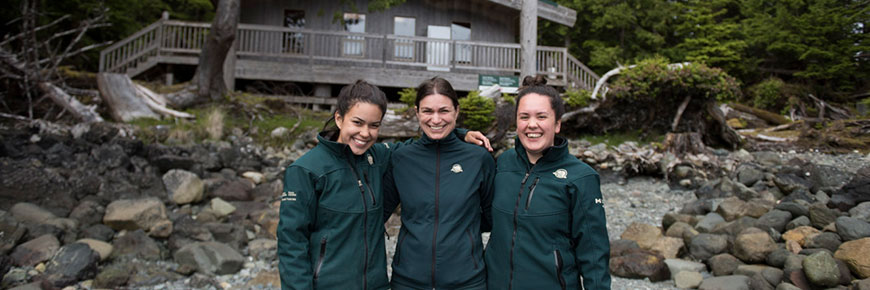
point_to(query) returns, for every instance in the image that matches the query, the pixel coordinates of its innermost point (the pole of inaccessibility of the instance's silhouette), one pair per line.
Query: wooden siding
(489, 21)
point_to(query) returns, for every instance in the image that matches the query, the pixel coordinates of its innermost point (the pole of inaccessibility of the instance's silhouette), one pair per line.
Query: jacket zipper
(320, 259)
(369, 186)
(362, 192)
(437, 189)
(531, 193)
(558, 256)
(516, 221)
(471, 241)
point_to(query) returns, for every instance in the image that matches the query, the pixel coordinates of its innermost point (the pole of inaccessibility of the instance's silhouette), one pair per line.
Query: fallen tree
(654, 96)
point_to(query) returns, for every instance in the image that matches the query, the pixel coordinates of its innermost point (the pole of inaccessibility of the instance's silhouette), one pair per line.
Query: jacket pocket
(398, 248)
(471, 245)
(558, 257)
(320, 259)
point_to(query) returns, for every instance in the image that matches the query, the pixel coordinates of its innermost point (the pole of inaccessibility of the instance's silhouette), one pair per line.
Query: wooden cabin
(329, 43)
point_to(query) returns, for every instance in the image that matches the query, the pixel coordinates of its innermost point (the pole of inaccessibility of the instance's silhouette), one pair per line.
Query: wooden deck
(299, 55)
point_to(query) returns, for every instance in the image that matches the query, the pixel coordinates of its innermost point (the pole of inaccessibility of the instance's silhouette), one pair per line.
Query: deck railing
(177, 38)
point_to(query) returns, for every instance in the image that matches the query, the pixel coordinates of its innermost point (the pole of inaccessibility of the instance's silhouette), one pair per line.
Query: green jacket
(445, 188)
(331, 229)
(549, 230)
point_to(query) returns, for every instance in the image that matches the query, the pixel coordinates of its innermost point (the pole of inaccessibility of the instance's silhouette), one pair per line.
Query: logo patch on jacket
(288, 196)
(456, 168)
(561, 173)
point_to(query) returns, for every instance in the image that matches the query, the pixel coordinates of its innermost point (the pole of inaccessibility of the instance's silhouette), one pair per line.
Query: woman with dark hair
(331, 227)
(445, 188)
(549, 229)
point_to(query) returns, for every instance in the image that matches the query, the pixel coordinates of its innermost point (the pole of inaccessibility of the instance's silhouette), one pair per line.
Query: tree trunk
(210, 73)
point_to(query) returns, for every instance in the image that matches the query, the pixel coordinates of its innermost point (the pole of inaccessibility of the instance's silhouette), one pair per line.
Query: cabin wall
(490, 22)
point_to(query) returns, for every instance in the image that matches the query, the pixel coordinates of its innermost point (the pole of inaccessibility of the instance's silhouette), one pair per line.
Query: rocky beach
(89, 207)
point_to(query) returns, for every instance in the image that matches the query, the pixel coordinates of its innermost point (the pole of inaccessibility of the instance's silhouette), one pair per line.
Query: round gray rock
(851, 228)
(821, 269)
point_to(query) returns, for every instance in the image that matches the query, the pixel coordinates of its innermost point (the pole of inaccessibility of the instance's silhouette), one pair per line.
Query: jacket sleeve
(487, 192)
(391, 194)
(298, 206)
(589, 233)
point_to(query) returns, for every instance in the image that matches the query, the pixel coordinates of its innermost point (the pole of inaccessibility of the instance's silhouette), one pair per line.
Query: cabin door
(438, 51)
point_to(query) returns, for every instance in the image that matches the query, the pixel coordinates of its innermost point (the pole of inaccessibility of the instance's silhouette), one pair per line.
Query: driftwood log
(128, 101)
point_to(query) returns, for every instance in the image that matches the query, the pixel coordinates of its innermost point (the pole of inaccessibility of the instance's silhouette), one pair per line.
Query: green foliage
(577, 98)
(653, 79)
(768, 94)
(510, 99)
(408, 96)
(476, 111)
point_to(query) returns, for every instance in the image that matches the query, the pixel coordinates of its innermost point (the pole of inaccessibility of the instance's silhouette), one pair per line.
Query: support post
(528, 37)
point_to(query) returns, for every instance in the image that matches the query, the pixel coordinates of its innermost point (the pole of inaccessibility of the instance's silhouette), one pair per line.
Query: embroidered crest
(456, 168)
(371, 160)
(288, 196)
(561, 173)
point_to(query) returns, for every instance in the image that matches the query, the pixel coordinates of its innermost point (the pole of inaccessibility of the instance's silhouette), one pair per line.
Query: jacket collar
(324, 139)
(555, 152)
(449, 139)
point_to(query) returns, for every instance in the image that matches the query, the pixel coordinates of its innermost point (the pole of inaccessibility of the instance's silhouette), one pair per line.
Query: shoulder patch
(561, 173)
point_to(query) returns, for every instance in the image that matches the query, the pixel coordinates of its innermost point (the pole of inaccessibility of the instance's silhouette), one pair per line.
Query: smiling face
(437, 116)
(536, 125)
(359, 126)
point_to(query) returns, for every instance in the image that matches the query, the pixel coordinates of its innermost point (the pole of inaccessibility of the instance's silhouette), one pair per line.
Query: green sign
(509, 84)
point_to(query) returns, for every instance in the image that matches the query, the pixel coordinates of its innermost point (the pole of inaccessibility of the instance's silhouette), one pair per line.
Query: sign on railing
(508, 84)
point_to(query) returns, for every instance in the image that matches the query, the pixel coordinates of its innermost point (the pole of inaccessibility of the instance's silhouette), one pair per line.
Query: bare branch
(23, 33)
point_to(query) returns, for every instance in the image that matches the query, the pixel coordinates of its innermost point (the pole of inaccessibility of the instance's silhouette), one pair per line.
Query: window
(354, 45)
(404, 48)
(294, 41)
(461, 31)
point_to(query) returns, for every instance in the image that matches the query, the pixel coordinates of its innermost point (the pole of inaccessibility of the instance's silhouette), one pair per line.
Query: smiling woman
(445, 188)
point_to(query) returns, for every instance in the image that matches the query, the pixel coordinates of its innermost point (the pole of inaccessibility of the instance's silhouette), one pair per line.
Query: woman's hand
(477, 138)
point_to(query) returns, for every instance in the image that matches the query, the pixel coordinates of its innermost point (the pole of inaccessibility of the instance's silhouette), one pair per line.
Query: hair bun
(531, 81)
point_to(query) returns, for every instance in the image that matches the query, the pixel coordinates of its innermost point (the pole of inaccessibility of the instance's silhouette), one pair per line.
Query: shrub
(476, 111)
(768, 94)
(652, 80)
(577, 98)
(510, 99)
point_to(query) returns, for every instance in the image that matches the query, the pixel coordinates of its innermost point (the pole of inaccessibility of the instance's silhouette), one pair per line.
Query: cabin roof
(547, 10)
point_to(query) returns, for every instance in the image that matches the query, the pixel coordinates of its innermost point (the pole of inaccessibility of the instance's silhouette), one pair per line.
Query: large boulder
(732, 208)
(850, 228)
(856, 254)
(774, 219)
(136, 244)
(705, 246)
(753, 245)
(183, 186)
(734, 282)
(668, 247)
(709, 222)
(12, 231)
(645, 235)
(800, 234)
(854, 192)
(30, 213)
(148, 214)
(210, 258)
(724, 264)
(821, 269)
(35, 251)
(639, 264)
(237, 189)
(72, 263)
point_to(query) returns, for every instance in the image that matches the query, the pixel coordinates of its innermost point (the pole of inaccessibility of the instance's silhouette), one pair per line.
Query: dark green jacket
(331, 229)
(445, 188)
(549, 230)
